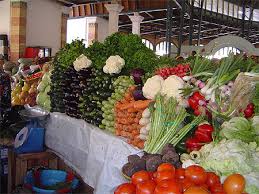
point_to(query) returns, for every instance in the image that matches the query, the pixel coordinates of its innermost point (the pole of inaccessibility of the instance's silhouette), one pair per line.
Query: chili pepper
(193, 103)
(197, 96)
(181, 147)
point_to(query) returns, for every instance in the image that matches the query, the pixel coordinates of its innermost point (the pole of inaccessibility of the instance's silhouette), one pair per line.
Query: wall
(44, 24)
(5, 17)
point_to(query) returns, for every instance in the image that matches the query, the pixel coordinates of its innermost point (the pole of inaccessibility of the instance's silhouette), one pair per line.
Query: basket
(48, 178)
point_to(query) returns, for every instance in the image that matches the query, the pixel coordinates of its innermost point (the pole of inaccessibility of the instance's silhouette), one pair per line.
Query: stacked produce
(166, 179)
(121, 84)
(43, 98)
(128, 115)
(63, 59)
(25, 93)
(98, 89)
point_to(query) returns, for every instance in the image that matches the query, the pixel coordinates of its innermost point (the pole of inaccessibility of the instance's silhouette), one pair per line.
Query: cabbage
(41, 98)
(41, 87)
(46, 78)
(233, 156)
(255, 124)
(239, 128)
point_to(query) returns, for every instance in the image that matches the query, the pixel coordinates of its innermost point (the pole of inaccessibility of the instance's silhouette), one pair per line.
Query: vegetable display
(193, 121)
(167, 179)
(121, 84)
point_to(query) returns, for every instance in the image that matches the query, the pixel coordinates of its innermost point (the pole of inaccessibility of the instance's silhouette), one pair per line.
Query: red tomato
(196, 174)
(212, 179)
(217, 188)
(180, 173)
(165, 175)
(219, 192)
(165, 166)
(193, 103)
(196, 190)
(140, 176)
(125, 188)
(234, 184)
(186, 184)
(146, 187)
(168, 187)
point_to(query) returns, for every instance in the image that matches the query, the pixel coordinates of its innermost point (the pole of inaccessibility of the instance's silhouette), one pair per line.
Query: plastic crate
(3, 152)
(4, 167)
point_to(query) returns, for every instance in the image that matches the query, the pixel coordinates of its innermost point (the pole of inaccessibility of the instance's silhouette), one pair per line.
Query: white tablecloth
(95, 155)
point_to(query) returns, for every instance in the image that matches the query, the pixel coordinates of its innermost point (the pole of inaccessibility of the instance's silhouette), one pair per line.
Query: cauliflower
(82, 62)
(114, 64)
(152, 86)
(171, 87)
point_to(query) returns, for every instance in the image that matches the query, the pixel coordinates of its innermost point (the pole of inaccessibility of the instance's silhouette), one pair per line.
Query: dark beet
(167, 148)
(153, 162)
(133, 158)
(171, 157)
(129, 169)
(178, 165)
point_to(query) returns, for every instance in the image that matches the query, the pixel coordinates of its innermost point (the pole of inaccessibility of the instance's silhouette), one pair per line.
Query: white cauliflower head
(152, 86)
(114, 64)
(171, 87)
(82, 62)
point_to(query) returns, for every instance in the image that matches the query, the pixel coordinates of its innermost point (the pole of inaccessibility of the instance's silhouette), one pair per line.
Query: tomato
(180, 173)
(146, 187)
(186, 184)
(165, 175)
(125, 188)
(212, 179)
(234, 184)
(196, 174)
(140, 176)
(168, 187)
(196, 190)
(217, 188)
(219, 192)
(151, 175)
(193, 103)
(165, 166)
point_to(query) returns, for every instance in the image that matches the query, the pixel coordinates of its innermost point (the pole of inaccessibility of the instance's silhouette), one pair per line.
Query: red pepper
(193, 143)
(193, 103)
(249, 111)
(197, 96)
(204, 133)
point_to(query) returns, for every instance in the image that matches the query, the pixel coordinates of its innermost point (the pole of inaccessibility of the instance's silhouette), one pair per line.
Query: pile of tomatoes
(192, 180)
(180, 70)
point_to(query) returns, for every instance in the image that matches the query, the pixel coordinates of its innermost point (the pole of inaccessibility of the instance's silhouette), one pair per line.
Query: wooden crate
(18, 165)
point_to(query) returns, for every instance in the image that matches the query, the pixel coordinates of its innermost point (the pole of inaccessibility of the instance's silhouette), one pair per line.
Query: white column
(136, 19)
(114, 10)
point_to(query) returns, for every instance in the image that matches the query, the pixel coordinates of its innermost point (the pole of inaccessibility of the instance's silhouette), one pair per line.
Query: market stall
(181, 113)
(97, 156)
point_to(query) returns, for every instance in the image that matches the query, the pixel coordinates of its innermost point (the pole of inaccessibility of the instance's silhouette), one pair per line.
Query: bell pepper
(192, 144)
(204, 133)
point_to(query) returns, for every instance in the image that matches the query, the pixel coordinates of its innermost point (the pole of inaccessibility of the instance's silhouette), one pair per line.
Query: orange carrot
(142, 104)
(132, 110)
(126, 106)
(141, 145)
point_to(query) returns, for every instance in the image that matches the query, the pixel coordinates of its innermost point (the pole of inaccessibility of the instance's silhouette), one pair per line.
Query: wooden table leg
(11, 170)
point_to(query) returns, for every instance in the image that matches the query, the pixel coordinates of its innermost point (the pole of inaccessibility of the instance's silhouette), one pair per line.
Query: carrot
(141, 144)
(124, 121)
(132, 110)
(126, 106)
(132, 88)
(135, 132)
(136, 120)
(127, 96)
(142, 104)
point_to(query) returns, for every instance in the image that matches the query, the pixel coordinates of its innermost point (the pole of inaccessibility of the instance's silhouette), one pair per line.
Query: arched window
(148, 44)
(224, 52)
(161, 48)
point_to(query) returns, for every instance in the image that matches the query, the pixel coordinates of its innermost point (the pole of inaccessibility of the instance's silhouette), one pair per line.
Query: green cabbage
(239, 128)
(233, 156)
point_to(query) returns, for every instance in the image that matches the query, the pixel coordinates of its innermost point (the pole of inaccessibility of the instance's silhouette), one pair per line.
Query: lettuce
(233, 156)
(239, 128)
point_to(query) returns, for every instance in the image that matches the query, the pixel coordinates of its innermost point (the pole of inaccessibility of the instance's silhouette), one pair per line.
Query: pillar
(64, 18)
(18, 29)
(92, 33)
(136, 19)
(114, 10)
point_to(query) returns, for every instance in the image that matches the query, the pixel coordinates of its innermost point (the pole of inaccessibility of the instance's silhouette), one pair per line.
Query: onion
(137, 74)
(138, 94)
